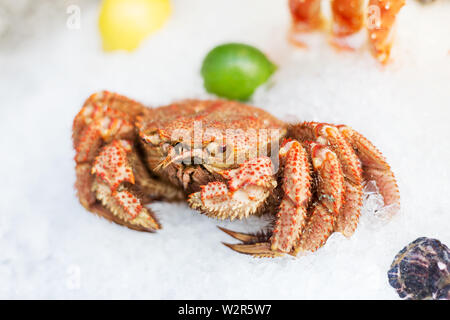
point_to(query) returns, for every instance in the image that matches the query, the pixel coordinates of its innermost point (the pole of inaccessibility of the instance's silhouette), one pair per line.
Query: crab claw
(248, 188)
(113, 175)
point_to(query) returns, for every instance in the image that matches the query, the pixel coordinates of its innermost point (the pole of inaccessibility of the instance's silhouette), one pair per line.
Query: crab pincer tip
(259, 250)
(244, 237)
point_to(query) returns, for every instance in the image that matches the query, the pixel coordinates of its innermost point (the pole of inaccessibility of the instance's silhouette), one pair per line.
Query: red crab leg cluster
(348, 20)
(305, 221)
(103, 135)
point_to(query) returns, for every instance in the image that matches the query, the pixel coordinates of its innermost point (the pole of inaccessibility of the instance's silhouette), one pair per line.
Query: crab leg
(348, 17)
(315, 229)
(381, 20)
(327, 134)
(330, 198)
(296, 186)
(292, 213)
(104, 115)
(375, 166)
(245, 193)
(95, 124)
(306, 16)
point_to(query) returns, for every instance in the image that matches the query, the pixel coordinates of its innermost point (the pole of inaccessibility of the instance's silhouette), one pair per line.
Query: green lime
(235, 70)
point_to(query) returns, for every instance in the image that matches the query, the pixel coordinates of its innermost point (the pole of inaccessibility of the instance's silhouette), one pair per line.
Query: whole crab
(348, 21)
(229, 160)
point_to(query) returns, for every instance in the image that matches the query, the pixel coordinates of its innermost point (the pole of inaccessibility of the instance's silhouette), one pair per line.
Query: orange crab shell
(205, 121)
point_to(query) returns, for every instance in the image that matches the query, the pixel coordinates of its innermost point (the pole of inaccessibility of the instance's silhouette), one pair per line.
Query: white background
(51, 247)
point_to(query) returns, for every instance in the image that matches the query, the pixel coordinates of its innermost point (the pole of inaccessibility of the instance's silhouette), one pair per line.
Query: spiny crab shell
(192, 142)
(228, 160)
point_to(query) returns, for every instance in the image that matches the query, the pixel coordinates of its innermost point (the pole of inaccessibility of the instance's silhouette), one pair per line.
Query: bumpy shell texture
(421, 270)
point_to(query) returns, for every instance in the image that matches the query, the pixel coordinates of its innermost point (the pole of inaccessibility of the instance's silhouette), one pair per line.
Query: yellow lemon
(125, 23)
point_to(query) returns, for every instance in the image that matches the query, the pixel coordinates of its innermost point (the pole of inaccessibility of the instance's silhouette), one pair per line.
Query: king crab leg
(348, 20)
(291, 216)
(306, 17)
(330, 199)
(348, 217)
(375, 166)
(306, 14)
(381, 26)
(348, 17)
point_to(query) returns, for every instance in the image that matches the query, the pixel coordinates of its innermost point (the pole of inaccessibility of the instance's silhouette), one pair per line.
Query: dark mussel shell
(421, 270)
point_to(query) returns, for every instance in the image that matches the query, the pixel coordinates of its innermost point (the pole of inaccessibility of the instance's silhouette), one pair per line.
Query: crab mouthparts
(188, 157)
